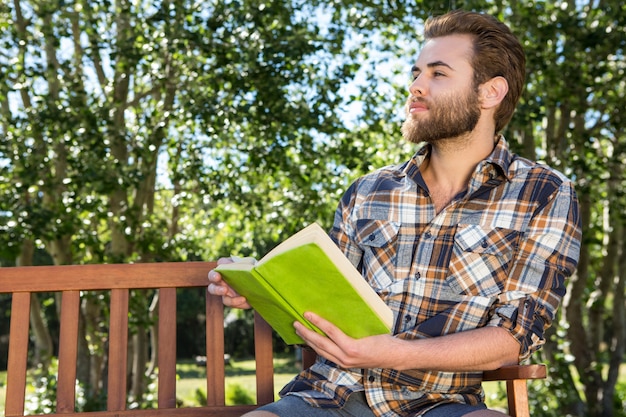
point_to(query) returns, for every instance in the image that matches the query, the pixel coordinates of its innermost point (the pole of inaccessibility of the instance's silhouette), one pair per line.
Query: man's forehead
(452, 50)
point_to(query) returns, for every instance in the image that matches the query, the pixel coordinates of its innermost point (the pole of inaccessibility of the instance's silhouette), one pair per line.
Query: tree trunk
(154, 334)
(573, 304)
(43, 342)
(616, 340)
(591, 376)
(139, 359)
(44, 348)
(61, 250)
(83, 362)
(91, 358)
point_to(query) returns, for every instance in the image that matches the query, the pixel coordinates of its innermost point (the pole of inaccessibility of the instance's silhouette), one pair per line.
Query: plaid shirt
(497, 255)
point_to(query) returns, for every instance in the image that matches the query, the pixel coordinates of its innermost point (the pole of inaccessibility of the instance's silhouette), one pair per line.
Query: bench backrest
(119, 279)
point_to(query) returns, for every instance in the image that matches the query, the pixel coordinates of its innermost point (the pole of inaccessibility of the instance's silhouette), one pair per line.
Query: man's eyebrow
(434, 64)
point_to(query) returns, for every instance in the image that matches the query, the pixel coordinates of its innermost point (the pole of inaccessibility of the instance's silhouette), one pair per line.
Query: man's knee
(259, 413)
(485, 413)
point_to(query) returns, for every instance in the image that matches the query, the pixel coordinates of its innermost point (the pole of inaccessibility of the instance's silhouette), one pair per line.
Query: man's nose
(418, 86)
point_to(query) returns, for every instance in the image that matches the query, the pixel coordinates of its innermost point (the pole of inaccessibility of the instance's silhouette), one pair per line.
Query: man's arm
(474, 350)
(546, 257)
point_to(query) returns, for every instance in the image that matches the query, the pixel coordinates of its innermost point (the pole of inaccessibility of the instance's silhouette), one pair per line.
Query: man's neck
(451, 163)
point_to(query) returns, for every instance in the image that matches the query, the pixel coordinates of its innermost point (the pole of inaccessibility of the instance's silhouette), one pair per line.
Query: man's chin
(414, 134)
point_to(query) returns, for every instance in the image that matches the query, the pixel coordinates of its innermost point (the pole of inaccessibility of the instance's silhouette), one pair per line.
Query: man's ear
(493, 91)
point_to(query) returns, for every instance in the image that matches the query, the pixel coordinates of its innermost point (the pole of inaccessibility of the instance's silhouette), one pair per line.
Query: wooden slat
(66, 385)
(517, 394)
(214, 350)
(118, 350)
(308, 357)
(18, 353)
(95, 277)
(167, 348)
(516, 385)
(264, 360)
(218, 411)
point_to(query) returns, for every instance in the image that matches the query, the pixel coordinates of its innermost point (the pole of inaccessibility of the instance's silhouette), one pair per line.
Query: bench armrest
(513, 372)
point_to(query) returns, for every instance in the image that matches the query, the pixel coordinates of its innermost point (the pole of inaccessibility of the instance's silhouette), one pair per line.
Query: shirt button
(371, 378)
(428, 235)
(372, 237)
(418, 275)
(407, 318)
(484, 244)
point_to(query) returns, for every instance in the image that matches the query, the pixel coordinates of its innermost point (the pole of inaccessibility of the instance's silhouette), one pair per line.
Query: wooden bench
(119, 279)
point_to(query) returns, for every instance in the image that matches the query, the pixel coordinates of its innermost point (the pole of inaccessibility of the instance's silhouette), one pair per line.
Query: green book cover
(308, 272)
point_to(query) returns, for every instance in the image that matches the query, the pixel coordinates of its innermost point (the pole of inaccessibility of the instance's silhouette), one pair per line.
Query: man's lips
(417, 106)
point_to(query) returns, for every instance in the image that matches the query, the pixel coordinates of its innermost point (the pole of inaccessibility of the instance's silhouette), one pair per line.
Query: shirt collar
(500, 159)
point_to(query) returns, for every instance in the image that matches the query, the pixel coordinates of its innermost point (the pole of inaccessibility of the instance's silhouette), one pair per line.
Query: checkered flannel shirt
(497, 255)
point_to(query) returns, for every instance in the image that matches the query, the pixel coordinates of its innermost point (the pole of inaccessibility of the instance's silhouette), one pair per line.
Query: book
(308, 272)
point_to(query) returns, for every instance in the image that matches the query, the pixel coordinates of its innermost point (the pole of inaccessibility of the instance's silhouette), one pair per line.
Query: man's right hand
(219, 287)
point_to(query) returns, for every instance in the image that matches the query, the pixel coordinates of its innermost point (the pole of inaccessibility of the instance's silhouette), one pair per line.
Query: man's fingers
(215, 289)
(237, 302)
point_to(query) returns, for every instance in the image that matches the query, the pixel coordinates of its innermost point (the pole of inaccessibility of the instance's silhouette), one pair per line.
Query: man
(469, 244)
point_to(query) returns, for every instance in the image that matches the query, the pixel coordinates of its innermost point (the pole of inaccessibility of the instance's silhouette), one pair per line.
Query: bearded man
(469, 244)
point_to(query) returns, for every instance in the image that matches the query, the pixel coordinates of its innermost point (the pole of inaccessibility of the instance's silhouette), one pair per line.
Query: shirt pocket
(481, 259)
(377, 239)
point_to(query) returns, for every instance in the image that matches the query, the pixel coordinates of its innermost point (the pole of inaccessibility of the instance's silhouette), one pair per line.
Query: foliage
(190, 325)
(620, 400)
(147, 400)
(236, 394)
(172, 130)
(200, 397)
(44, 387)
(239, 333)
(44, 384)
(569, 113)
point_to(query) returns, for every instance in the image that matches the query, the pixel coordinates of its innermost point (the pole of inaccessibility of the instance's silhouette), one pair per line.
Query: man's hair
(497, 52)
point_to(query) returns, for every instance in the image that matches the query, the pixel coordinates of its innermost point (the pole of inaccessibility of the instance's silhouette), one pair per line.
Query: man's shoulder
(519, 168)
(527, 170)
(385, 180)
(387, 176)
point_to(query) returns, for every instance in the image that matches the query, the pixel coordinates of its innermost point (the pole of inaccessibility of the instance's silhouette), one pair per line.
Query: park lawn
(240, 374)
(192, 378)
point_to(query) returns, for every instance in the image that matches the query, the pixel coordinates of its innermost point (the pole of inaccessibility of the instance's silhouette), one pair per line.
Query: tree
(180, 130)
(94, 93)
(570, 116)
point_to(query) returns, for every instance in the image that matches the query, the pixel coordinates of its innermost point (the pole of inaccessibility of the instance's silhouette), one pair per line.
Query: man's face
(443, 102)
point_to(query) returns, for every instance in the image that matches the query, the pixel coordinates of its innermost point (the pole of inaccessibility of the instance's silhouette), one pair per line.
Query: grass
(242, 374)
(192, 378)
(240, 380)
(238, 373)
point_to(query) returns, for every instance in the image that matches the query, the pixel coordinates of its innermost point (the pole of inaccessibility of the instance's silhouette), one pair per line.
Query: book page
(309, 234)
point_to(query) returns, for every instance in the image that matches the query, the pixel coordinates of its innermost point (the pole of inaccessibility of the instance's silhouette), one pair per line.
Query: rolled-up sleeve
(547, 256)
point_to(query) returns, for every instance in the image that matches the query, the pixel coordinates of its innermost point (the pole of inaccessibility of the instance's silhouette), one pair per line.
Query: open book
(308, 272)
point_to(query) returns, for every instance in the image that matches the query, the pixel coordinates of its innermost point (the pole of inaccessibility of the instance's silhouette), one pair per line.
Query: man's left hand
(345, 351)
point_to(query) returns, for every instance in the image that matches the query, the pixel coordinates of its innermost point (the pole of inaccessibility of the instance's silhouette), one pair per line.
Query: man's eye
(439, 74)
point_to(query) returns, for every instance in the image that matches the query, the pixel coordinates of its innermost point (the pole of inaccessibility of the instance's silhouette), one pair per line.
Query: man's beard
(448, 117)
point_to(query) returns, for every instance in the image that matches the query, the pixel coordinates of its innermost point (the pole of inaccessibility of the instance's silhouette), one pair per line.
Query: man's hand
(220, 288)
(474, 350)
(346, 352)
